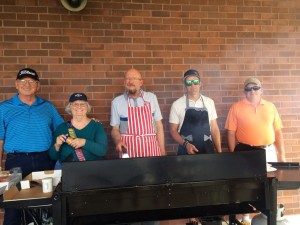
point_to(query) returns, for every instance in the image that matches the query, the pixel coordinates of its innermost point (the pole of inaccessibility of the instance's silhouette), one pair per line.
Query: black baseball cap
(190, 73)
(27, 72)
(78, 96)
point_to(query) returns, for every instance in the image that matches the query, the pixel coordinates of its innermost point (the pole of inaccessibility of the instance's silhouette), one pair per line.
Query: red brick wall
(226, 40)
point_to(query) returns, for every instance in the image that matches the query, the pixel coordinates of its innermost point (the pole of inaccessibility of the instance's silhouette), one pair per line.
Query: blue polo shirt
(27, 128)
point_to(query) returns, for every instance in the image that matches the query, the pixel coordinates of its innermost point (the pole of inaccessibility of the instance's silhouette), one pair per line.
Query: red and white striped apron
(140, 137)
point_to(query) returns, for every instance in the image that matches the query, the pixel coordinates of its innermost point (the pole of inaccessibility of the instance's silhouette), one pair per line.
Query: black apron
(196, 129)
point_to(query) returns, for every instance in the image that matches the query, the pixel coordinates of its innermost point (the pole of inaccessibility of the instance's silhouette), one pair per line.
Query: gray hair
(68, 108)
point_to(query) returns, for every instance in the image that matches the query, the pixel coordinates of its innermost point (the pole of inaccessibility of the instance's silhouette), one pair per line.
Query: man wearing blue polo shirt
(26, 126)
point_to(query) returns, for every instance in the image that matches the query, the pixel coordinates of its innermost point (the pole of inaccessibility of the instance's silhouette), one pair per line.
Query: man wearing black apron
(193, 119)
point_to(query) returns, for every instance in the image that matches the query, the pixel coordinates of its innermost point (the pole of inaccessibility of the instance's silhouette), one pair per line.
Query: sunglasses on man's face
(254, 88)
(190, 82)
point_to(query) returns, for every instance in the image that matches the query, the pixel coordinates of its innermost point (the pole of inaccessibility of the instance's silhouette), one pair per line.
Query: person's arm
(56, 119)
(57, 140)
(191, 149)
(161, 136)
(231, 140)
(174, 133)
(279, 146)
(1, 153)
(116, 136)
(157, 117)
(216, 136)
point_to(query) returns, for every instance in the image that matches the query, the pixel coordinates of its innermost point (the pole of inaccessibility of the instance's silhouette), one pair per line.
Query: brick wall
(226, 40)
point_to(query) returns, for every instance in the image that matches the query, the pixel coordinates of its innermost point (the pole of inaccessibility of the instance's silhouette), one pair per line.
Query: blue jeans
(37, 161)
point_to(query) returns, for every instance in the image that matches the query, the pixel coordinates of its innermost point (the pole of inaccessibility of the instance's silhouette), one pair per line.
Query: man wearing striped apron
(136, 121)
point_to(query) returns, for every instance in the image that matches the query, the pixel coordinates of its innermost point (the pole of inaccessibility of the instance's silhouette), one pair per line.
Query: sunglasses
(190, 82)
(254, 88)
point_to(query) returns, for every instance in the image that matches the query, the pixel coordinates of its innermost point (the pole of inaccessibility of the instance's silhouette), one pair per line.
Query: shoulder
(6, 102)
(270, 106)
(45, 103)
(119, 98)
(11, 101)
(97, 124)
(40, 100)
(149, 95)
(267, 103)
(207, 99)
(239, 106)
(63, 125)
(180, 100)
(10, 105)
(240, 102)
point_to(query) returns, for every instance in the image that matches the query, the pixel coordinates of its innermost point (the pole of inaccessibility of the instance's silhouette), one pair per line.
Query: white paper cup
(25, 184)
(47, 184)
(125, 156)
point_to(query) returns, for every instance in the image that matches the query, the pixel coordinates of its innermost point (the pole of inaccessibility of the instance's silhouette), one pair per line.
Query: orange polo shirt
(254, 126)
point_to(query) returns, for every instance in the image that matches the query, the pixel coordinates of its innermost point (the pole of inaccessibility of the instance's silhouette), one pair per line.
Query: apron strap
(187, 102)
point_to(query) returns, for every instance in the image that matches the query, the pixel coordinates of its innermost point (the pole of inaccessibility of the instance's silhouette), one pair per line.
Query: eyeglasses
(30, 82)
(132, 78)
(190, 82)
(79, 105)
(254, 88)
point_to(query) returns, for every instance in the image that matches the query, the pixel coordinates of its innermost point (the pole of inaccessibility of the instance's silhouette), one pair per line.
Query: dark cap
(27, 72)
(78, 96)
(190, 73)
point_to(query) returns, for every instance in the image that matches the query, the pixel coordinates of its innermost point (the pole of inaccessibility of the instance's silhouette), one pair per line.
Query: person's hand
(120, 146)
(191, 149)
(77, 143)
(60, 140)
(194, 220)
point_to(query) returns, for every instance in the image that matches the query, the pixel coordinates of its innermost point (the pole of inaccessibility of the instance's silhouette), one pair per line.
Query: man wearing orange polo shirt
(254, 123)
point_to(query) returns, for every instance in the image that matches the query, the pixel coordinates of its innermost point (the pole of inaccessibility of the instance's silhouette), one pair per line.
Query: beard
(132, 92)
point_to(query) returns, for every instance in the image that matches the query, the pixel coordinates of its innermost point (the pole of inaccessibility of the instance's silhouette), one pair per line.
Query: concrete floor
(289, 220)
(293, 219)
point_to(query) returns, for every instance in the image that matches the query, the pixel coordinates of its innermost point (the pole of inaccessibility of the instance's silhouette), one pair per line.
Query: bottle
(68, 140)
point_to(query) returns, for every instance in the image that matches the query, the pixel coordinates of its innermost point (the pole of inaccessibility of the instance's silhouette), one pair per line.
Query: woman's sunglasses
(190, 82)
(254, 88)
